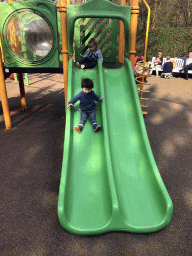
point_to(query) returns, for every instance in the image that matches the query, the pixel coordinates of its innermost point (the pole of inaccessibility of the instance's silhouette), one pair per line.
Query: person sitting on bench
(188, 66)
(157, 64)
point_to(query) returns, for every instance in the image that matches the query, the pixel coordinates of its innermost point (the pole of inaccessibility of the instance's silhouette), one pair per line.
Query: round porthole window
(29, 36)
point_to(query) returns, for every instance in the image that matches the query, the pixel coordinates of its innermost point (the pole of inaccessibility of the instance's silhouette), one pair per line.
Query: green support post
(26, 79)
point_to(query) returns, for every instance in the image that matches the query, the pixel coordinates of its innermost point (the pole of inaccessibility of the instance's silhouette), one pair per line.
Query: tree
(185, 7)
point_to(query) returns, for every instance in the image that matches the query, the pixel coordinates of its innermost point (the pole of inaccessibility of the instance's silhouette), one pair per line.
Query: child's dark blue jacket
(87, 101)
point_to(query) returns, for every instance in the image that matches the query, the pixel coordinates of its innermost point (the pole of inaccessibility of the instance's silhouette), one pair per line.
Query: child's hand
(70, 105)
(101, 98)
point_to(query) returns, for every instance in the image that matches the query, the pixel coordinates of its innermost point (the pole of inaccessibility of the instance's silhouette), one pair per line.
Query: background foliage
(170, 28)
(175, 42)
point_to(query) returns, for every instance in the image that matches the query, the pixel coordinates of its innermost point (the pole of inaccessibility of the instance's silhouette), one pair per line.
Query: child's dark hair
(87, 83)
(92, 42)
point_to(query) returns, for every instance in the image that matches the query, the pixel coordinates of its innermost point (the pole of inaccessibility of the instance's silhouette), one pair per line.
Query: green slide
(109, 180)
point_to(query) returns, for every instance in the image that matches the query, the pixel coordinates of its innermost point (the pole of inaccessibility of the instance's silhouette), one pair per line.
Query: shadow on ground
(31, 160)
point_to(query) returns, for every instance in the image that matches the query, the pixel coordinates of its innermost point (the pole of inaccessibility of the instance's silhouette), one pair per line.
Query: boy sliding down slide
(87, 105)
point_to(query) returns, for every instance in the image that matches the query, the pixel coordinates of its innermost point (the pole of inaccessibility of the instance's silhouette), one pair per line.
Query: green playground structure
(109, 180)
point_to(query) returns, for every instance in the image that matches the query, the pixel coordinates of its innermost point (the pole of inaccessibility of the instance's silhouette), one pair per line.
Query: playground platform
(30, 167)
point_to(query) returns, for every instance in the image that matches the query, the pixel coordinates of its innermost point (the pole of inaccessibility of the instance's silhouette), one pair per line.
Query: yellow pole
(121, 38)
(147, 30)
(3, 92)
(134, 16)
(1, 50)
(63, 10)
(4, 98)
(145, 55)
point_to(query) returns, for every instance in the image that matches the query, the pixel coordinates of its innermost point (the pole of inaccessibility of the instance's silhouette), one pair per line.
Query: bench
(179, 65)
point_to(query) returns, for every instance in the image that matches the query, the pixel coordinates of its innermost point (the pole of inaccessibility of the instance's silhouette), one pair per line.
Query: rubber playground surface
(31, 160)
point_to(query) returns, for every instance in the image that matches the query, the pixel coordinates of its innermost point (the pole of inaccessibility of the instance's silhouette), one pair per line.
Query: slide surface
(109, 180)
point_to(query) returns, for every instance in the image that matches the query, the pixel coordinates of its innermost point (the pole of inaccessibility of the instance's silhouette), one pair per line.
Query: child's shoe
(78, 65)
(96, 127)
(79, 128)
(82, 66)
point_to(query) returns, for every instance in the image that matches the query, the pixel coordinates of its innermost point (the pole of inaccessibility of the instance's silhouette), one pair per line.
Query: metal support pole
(22, 91)
(26, 79)
(134, 17)
(147, 29)
(15, 77)
(145, 55)
(121, 38)
(63, 10)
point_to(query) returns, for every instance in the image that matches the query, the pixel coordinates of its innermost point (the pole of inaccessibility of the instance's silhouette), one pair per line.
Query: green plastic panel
(59, 36)
(25, 22)
(106, 38)
(98, 9)
(109, 180)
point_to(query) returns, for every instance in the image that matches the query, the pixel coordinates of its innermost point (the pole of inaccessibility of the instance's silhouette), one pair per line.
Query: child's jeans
(85, 114)
(88, 62)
